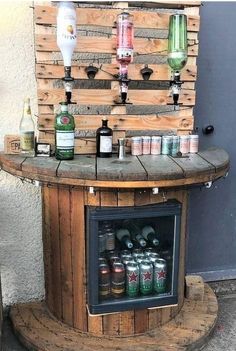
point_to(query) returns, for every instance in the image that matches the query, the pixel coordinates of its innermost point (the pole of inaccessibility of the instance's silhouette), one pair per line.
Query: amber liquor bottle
(104, 140)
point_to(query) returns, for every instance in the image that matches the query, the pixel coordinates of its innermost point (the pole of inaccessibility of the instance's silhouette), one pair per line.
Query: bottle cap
(27, 100)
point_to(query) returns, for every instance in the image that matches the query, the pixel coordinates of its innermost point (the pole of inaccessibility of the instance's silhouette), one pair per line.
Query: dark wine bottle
(135, 233)
(149, 234)
(123, 235)
(104, 140)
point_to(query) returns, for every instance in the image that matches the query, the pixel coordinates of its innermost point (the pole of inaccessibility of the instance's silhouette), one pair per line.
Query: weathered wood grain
(111, 97)
(182, 120)
(115, 169)
(192, 165)
(78, 248)
(99, 17)
(216, 157)
(160, 167)
(47, 166)
(100, 45)
(81, 167)
(66, 259)
(12, 161)
(106, 71)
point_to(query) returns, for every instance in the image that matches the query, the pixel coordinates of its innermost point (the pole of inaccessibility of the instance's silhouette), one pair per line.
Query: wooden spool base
(189, 330)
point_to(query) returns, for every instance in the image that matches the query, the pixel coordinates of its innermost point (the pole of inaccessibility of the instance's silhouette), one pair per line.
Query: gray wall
(212, 213)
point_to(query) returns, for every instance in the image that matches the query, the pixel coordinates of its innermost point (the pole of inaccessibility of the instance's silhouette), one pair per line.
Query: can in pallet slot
(132, 279)
(118, 279)
(175, 145)
(104, 281)
(160, 274)
(166, 145)
(146, 277)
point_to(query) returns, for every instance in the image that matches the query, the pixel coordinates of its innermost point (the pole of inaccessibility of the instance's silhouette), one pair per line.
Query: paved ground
(223, 339)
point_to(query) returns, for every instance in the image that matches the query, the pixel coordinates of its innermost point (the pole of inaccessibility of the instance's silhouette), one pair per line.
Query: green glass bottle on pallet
(64, 134)
(177, 42)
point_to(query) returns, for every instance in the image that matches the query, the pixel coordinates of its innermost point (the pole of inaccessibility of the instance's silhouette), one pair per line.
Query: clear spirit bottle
(27, 131)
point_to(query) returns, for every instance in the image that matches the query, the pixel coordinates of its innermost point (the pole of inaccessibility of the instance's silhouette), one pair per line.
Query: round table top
(132, 172)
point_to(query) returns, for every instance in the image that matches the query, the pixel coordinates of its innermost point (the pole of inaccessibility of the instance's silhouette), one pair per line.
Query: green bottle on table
(64, 134)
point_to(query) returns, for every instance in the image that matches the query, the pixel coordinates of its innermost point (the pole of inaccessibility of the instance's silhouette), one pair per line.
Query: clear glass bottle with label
(27, 131)
(104, 140)
(64, 134)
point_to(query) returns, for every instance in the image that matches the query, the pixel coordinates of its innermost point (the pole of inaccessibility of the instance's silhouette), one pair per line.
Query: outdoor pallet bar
(93, 301)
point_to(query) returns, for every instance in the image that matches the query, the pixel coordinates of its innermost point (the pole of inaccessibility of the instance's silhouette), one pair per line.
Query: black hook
(146, 72)
(91, 71)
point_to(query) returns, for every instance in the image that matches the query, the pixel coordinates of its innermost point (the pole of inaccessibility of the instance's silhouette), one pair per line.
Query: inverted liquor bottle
(135, 232)
(104, 140)
(124, 44)
(66, 41)
(64, 134)
(27, 131)
(177, 51)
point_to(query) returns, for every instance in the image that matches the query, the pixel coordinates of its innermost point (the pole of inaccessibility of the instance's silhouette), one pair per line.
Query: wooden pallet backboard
(150, 109)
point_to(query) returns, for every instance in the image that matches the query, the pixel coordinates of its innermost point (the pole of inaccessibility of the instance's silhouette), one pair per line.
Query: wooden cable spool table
(63, 321)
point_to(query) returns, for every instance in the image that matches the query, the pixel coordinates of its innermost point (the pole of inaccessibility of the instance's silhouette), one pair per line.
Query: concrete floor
(223, 338)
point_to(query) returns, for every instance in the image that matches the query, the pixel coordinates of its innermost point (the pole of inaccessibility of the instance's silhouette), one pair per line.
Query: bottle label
(65, 140)
(124, 52)
(27, 141)
(105, 143)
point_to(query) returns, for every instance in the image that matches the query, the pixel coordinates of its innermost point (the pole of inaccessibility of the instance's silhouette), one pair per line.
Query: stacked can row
(132, 274)
(165, 145)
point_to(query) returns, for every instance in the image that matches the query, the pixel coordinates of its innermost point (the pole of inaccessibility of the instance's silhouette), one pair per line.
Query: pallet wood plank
(98, 17)
(81, 167)
(78, 260)
(182, 120)
(105, 72)
(193, 164)
(47, 166)
(140, 321)
(56, 308)
(115, 169)
(13, 161)
(160, 167)
(64, 203)
(47, 245)
(217, 157)
(47, 42)
(110, 97)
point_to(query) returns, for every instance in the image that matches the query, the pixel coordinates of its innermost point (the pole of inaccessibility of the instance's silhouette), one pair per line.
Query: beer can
(166, 144)
(104, 281)
(128, 259)
(156, 145)
(184, 144)
(125, 253)
(102, 260)
(110, 240)
(146, 277)
(175, 145)
(160, 273)
(194, 141)
(146, 145)
(137, 252)
(118, 279)
(132, 279)
(153, 256)
(136, 146)
(102, 242)
(149, 250)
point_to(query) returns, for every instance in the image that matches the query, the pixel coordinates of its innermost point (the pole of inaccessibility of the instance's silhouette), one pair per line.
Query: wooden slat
(47, 166)
(192, 165)
(66, 259)
(160, 167)
(55, 253)
(105, 72)
(47, 246)
(218, 158)
(140, 321)
(78, 259)
(13, 161)
(108, 97)
(81, 167)
(182, 120)
(115, 169)
(88, 44)
(99, 17)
